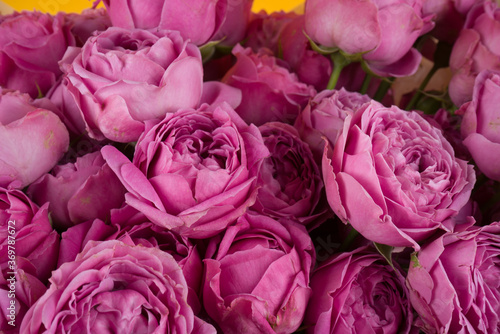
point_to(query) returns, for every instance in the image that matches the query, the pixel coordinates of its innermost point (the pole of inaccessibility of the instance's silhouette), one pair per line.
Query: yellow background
(53, 6)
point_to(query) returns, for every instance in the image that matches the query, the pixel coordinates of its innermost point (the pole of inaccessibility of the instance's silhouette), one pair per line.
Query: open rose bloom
(114, 72)
(453, 282)
(257, 281)
(27, 256)
(209, 156)
(359, 292)
(126, 288)
(394, 177)
(210, 166)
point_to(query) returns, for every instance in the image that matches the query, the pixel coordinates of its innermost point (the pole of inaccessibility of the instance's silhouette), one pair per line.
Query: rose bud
(116, 71)
(122, 288)
(210, 156)
(269, 91)
(475, 50)
(33, 140)
(394, 177)
(358, 292)
(453, 282)
(31, 45)
(257, 276)
(382, 31)
(196, 20)
(290, 181)
(80, 191)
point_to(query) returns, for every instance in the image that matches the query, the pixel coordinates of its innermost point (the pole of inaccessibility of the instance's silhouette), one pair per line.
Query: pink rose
(358, 292)
(122, 288)
(116, 71)
(133, 227)
(479, 130)
(453, 282)
(31, 45)
(80, 191)
(311, 67)
(29, 226)
(394, 177)
(257, 276)
(383, 31)
(264, 30)
(216, 93)
(28, 253)
(64, 106)
(269, 91)
(475, 50)
(283, 34)
(324, 115)
(235, 24)
(464, 6)
(87, 23)
(210, 156)
(196, 20)
(290, 181)
(18, 292)
(33, 140)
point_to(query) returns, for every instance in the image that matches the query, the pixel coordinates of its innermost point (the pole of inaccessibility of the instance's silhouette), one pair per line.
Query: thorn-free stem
(339, 62)
(421, 88)
(366, 83)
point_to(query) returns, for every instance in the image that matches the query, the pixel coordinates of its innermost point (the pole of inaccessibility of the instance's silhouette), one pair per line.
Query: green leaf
(321, 49)
(414, 260)
(385, 251)
(40, 94)
(207, 50)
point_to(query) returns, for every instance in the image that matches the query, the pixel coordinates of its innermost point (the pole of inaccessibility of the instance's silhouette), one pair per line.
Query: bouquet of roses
(173, 166)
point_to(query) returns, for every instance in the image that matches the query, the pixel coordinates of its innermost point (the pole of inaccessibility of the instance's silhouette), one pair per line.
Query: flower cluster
(172, 166)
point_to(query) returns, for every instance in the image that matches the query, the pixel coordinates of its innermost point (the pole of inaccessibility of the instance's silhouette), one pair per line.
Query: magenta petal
(215, 92)
(400, 26)
(173, 201)
(31, 147)
(196, 20)
(485, 153)
(131, 177)
(91, 201)
(350, 25)
(461, 87)
(405, 66)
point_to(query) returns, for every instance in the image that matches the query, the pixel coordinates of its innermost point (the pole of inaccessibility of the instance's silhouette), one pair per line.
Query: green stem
(339, 62)
(382, 89)
(348, 240)
(366, 83)
(424, 83)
